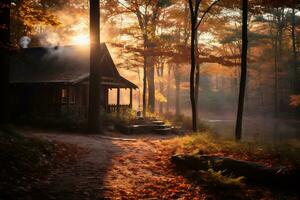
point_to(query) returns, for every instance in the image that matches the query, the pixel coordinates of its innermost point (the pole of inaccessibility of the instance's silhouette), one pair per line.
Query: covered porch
(119, 85)
(75, 98)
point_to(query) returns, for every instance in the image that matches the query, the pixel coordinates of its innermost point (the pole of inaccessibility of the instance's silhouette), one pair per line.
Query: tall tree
(177, 21)
(147, 16)
(239, 120)
(95, 67)
(168, 90)
(295, 53)
(160, 73)
(277, 23)
(4, 61)
(195, 23)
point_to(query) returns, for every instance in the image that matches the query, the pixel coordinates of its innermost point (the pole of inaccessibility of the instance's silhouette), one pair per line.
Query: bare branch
(206, 12)
(126, 7)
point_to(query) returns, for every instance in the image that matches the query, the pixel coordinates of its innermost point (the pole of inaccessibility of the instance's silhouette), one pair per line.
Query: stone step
(158, 122)
(132, 129)
(160, 126)
(163, 131)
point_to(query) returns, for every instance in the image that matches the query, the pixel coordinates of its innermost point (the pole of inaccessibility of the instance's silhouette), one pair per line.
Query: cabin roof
(62, 64)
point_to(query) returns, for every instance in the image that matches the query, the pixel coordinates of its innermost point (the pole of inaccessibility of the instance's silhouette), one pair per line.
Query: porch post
(130, 103)
(58, 100)
(106, 98)
(118, 100)
(68, 99)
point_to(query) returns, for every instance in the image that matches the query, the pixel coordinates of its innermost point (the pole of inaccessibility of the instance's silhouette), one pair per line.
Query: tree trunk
(279, 58)
(194, 11)
(278, 17)
(5, 60)
(95, 68)
(276, 78)
(239, 120)
(295, 82)
(177, 98)
(261, 93)
(161, 108)
(160, 73)
(192, 78)
(177, 90)
(197, 86)
(168, 90)
(151, 85)
(145, 84)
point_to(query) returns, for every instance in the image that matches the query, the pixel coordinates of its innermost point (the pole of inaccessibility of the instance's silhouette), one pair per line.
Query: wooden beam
(130, 102)
(118, 100)
(106, 98)
(68, 99)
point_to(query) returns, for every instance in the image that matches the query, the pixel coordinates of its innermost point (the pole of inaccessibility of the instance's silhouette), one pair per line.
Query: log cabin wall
(58, 100)
(106, 90)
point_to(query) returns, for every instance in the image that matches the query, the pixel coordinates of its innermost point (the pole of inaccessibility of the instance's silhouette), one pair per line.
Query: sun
(81, 39)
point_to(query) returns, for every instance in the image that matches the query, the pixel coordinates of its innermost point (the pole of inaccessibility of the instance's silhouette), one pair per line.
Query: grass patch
(268, 154)
(219, 185)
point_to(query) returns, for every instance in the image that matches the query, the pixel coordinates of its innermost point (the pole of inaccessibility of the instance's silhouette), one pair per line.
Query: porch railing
(82, 111)
(114, 108)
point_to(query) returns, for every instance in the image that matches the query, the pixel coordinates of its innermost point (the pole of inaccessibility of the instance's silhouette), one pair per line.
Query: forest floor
(132, 167)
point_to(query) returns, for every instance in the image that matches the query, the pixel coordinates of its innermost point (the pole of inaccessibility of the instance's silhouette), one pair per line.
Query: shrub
(217, 179)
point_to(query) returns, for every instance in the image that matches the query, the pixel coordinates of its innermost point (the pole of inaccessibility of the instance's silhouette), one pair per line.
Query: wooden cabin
(55, 81)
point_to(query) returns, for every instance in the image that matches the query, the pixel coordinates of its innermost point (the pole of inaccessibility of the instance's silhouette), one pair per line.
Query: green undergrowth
(221, 186)
(26, 162)
(125, 117)
(129, 116)
(268, 154)
(218, 180)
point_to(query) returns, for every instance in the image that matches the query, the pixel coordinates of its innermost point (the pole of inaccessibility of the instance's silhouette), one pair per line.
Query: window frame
(64, 95)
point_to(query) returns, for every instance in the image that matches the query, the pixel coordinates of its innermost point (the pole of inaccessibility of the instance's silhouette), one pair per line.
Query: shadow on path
(85, 179)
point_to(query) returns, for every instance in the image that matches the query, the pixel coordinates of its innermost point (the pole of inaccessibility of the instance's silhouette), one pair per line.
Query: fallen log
(252, 171)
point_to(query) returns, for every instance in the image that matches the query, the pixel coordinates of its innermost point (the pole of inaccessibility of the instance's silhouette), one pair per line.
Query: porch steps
(147, 126)
(160, 127)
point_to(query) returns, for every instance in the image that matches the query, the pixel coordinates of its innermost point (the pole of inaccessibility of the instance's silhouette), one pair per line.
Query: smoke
(49, 39)
(24, 42)
(73, 28)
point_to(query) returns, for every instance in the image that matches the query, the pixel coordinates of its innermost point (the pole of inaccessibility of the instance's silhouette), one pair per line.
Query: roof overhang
(119, 82)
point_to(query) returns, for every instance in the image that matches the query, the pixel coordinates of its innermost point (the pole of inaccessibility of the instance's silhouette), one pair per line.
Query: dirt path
(133, 167)
(84, 180)
(143, 171)
(114, 168)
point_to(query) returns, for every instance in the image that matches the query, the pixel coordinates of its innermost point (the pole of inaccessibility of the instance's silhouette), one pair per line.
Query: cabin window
(72, 96)
(68, 95)
(64, 96)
